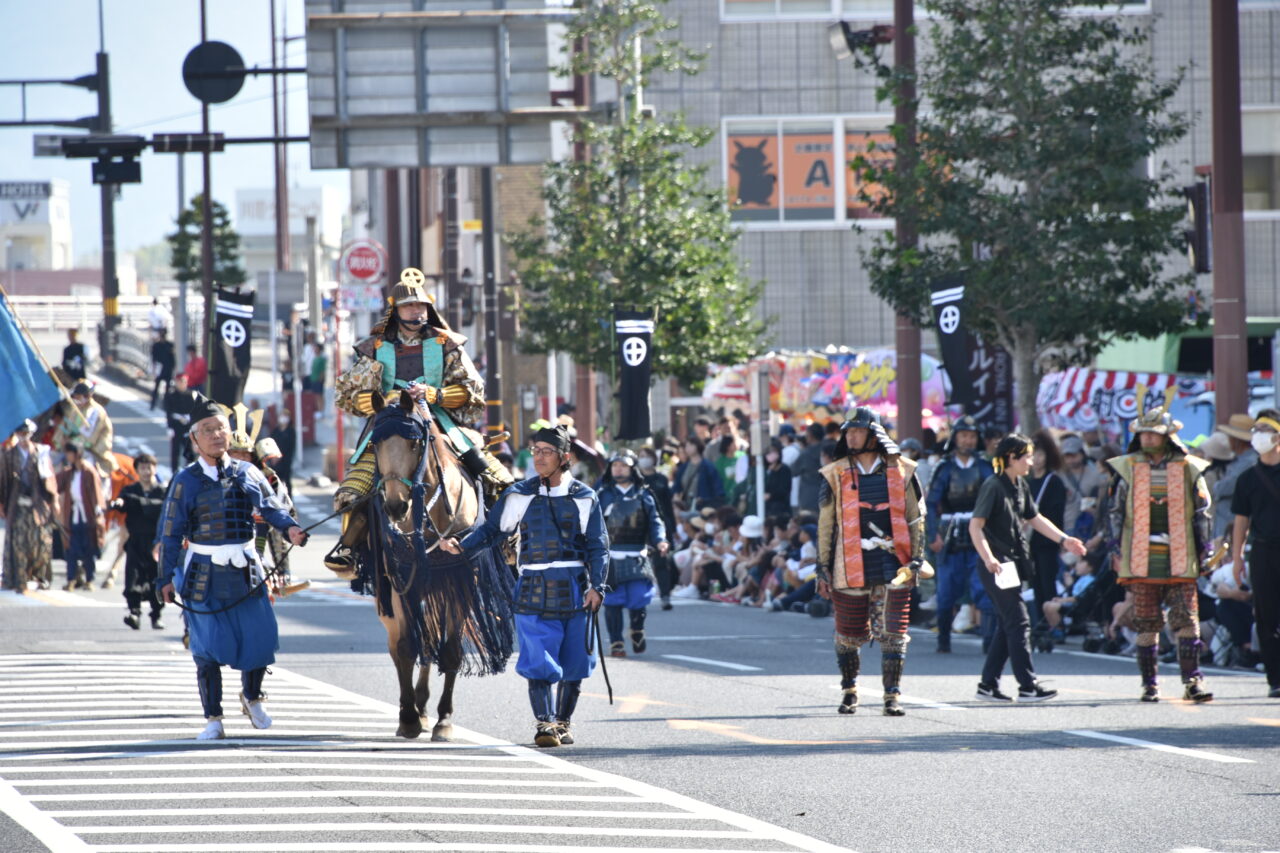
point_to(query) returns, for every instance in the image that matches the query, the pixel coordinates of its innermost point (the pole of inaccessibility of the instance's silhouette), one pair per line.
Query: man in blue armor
(633, 521)
(952, 496)
(563, 552)
(211, 506)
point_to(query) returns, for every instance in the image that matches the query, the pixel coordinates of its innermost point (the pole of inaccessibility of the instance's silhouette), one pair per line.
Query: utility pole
(1230, 332)
(492, 355)
(206, 212)
(110, 281)
(906, 332)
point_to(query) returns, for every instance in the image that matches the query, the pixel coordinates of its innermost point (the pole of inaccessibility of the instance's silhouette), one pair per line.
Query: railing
(55, 313)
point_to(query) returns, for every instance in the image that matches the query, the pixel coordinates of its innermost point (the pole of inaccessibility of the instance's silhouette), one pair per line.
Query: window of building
(800, 10)
(784, 171)
(1260, 129)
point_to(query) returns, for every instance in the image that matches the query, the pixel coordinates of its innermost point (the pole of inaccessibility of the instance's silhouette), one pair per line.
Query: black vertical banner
(990, 369)
(953, 341)
(634, 331)
(229, 353)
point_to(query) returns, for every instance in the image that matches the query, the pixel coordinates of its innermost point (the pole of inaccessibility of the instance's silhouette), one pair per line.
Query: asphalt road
(722, 736)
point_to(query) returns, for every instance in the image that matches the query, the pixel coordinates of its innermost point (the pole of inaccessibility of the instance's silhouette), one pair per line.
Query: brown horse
(422, 623)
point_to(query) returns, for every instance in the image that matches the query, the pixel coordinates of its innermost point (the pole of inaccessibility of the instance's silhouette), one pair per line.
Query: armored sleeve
(826, 530)
(173, 527)
(937, 488)
(1115, 512)
(1202, 521)
(657, 530)
(365, 375)
(254, 484)
(459, 372)
(492, 530)
(597, 545)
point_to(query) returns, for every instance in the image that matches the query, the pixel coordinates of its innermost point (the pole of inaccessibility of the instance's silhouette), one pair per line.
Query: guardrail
(55, 313)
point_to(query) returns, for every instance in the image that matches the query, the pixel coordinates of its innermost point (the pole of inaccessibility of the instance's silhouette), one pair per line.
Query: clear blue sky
(147, 41)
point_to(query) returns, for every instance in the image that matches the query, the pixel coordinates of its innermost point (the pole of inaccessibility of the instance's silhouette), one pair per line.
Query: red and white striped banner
(1081, 397)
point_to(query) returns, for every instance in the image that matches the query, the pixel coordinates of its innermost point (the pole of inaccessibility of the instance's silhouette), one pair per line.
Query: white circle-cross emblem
(233, 332)
(949, 319)
(633, 351)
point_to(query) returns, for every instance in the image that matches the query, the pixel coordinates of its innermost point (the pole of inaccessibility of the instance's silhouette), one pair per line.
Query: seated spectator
(1232, 639)
(1064, 605)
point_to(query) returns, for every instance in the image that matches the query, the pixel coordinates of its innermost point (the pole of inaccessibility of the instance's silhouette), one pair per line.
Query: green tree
(184, 246)
(1030, 182)
(635, 225)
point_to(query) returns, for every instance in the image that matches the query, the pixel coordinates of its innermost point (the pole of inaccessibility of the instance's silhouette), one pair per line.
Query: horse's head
(399, 435)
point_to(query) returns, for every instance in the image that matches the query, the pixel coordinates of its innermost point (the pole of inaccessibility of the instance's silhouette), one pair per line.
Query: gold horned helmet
(411, 288)
(245, 426)
(1157, 419)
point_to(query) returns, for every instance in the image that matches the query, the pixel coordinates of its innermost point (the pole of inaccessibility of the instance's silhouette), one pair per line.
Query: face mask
(1263, 442)
(771, 458)
(646, 464)
(710, 528)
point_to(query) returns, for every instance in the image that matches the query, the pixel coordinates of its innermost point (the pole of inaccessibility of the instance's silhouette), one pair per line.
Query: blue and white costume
(212, 508)
(633, 522)
(563, 551)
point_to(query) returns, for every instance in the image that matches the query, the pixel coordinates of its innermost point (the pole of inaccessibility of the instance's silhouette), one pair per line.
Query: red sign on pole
(364, 261)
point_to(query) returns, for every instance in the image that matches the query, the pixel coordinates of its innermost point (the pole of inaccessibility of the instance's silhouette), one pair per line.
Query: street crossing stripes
(97, 753)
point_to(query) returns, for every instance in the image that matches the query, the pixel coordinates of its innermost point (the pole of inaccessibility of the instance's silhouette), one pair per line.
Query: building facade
(790, 115)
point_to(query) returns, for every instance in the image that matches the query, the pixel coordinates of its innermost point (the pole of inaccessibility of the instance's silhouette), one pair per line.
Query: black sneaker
(1274, 694)
(991, 693)
(1035, 694)
(547, 735)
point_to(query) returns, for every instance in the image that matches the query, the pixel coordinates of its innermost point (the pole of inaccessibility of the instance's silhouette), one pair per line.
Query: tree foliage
(184, 246)
(1030, 182)
(635, 225)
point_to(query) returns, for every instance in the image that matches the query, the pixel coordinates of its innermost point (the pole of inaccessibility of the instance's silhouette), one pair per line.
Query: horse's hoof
(442, 734)
(408, 729)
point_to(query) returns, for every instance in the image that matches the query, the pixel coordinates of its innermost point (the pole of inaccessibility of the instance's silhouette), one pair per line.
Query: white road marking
(130, 768)
(740, 667)
(1162, 747)
(871, 692)
(1210, 670)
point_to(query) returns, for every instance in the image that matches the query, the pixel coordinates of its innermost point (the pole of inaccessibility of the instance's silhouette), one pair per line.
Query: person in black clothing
(1051, 499)
(1256, 507)
(1003, 502)
(777, 484)
(164, 359)
(808, 463)
(141, 502)
(664, 568)
(74, 357)
(286, 440)
(178, 405)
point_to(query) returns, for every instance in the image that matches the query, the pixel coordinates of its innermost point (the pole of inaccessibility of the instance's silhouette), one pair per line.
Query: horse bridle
(440, 492)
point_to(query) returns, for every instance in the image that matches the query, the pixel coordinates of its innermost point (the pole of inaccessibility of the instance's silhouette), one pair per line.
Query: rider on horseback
(412, 350)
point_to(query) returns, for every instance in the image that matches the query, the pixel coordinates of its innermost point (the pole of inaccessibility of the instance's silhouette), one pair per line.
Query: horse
(434, 606)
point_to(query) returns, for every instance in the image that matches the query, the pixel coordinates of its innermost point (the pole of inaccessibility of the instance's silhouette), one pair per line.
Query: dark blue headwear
(556, 436)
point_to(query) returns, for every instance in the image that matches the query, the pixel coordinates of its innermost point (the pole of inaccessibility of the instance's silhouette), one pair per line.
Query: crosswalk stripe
(113, 734)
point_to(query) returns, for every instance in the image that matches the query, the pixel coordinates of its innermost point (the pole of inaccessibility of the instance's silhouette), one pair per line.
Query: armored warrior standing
(871, 519)
(1161, 519)
(563, 551)
(633, 521)
(211, 505)
(412, 350)
(952, 495)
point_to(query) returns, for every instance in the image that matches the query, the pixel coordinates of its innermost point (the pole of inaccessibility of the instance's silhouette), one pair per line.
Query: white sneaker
(255, 712)
(689, 591)
(213, 731)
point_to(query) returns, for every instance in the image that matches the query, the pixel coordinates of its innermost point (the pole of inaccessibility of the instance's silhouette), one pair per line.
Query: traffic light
(1199, 237)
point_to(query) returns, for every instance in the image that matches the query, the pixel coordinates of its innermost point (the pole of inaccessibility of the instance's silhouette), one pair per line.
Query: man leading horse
(413, 351)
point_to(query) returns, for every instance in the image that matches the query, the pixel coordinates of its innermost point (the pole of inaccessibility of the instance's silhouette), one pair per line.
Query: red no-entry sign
(364, 261)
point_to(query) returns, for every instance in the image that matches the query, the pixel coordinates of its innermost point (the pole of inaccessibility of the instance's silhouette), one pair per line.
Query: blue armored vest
(551, 531)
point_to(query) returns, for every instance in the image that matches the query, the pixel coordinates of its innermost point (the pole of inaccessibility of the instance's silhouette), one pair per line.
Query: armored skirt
(244, 637)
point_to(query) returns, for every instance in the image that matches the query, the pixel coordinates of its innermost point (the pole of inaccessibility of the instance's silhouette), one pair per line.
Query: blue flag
(26, 388)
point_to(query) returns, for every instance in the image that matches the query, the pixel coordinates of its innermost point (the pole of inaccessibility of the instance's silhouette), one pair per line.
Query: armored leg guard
(540, 699)
(850, 661)
(495, 478)
(355, 485)
(1189, 663)
(638, 644)
(613, 622)
(1148, 662)
(891, 676)
(251, 681)
(567, 693)
(209, 679)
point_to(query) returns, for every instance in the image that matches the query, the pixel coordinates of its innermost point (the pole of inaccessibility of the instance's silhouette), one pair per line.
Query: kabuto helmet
(965, 423)
(1157, 420)
(624, 456)
(411, 289)
(245, 426)
(863, 417)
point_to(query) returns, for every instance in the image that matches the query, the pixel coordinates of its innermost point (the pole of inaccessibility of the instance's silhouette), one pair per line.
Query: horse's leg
(422, 691)
(443, 730)
(404, 658)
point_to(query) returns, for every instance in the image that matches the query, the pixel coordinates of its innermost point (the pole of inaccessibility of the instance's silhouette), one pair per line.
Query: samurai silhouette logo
(755, 180)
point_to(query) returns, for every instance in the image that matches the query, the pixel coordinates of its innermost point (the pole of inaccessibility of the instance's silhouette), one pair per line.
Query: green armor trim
(433, 375)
